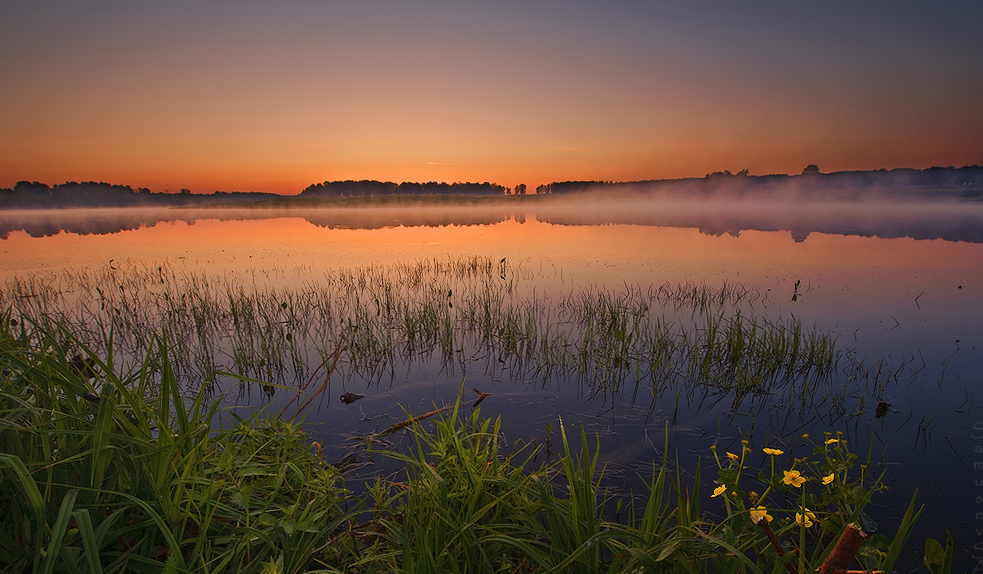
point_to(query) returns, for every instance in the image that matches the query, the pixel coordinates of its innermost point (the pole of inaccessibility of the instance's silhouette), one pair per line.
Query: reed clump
(122, 472)
(465, 313)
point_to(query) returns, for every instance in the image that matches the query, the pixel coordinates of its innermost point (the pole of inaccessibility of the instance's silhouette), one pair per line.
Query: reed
(121, 471)
(466, 311)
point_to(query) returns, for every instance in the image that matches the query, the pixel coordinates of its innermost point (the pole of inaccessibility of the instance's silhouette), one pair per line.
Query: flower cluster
(801, 493)
(830, 459)
(805, 518)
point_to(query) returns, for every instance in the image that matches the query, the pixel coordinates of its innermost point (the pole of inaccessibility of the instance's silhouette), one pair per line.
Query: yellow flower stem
(716, 457)
(802, 529)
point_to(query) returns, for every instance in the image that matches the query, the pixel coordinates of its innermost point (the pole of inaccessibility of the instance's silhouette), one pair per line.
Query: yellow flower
(805, 435)
(828, 479)
(760, 513)
(794, 478)
(719, 490)
(773, 451)
(805, 518)
(832, 440)
(732, 456)
(753, 496)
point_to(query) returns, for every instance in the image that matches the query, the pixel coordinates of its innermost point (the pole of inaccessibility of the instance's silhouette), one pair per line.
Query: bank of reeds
(465, 313)
(108, 471)
(120, 472)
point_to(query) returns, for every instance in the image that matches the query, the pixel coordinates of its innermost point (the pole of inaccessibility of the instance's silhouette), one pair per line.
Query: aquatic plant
(462, 313)
(121, 472)
(110, 471)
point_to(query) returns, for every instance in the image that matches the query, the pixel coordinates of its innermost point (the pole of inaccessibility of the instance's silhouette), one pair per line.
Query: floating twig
(403, 424)
(334, 357)
(481, 396)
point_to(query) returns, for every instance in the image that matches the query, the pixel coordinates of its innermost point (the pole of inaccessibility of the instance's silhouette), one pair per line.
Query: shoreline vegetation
(117, 455)
(124, 470)
(936, 183)
(470, 314)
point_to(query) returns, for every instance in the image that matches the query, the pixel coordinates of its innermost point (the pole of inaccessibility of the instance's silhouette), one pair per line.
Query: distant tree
(185, 191)
(811, 169)
(743, 173)
(520, 189)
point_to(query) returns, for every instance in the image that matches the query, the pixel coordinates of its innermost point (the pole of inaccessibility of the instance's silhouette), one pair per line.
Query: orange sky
(276, 96)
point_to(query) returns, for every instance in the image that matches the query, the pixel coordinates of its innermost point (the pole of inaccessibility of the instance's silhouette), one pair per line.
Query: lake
(413, 306)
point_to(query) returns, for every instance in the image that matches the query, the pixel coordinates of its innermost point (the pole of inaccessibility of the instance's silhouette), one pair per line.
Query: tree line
(37, 195)
(964, 181)
(364, 188)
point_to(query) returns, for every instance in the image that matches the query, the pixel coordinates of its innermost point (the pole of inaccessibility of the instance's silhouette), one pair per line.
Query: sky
(274, 96)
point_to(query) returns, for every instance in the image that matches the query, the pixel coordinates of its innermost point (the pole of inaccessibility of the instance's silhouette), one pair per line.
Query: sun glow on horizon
(242, 97)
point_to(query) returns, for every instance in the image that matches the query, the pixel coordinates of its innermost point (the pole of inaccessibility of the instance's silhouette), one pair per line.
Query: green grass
(469, 312)
(122, 473)
(110, 471)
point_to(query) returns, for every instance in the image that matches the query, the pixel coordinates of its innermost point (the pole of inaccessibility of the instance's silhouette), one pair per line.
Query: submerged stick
(481, 396)
(403, 424)
(334, 358)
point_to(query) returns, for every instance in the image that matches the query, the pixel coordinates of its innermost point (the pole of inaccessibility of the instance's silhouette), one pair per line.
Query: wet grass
(125, 471)
(120, 472)
(466, 313)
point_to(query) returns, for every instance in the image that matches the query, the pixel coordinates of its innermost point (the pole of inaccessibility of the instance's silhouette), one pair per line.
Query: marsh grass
(464, 313)
(121, 471)
(468, 501)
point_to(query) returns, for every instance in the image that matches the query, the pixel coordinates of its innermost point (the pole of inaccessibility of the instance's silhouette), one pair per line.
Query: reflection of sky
(252, 95)
(863, 289)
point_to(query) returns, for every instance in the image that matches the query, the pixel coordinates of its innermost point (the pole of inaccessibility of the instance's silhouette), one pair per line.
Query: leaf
(58, 531)
(667, 551)
(937, 559)
(89, 543)
(30, 487)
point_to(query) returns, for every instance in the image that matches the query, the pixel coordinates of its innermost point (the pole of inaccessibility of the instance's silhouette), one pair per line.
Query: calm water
(899, 286)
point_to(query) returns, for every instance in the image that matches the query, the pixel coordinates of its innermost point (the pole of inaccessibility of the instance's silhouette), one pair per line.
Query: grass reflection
(470, 312)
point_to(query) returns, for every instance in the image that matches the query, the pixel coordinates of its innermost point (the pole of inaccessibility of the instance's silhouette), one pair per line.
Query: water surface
(899, 287)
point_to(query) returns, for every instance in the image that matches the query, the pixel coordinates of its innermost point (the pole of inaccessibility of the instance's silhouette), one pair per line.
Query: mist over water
(716, 215)
(898, 282)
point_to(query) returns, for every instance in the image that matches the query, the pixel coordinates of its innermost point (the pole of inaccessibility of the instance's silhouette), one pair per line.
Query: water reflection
(906, 309)
(917, 220)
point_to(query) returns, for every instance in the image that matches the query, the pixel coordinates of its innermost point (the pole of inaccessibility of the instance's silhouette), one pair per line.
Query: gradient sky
(273, 96)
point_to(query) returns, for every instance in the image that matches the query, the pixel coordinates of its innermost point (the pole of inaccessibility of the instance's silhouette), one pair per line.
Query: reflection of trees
(377, 218)
(799, 235)
(49, 222)
(951, 222)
